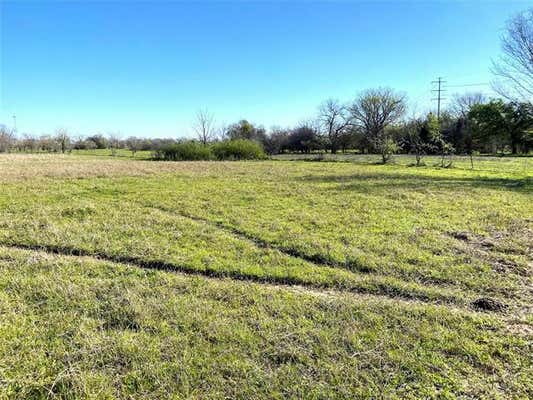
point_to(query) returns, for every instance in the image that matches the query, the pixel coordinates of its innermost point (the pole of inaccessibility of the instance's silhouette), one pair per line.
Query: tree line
(374, 122)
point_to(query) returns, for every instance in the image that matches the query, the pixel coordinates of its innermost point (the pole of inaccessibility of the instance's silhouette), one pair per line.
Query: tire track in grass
(316, 259)
(375, 288)
(295, 288)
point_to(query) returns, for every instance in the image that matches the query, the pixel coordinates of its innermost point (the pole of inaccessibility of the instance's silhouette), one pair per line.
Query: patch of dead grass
(21, 167)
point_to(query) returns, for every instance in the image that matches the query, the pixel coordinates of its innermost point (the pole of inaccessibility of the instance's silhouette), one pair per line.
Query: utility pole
(439, 91)
(14, 123)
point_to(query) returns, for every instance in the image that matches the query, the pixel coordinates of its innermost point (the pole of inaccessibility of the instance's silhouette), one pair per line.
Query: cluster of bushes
(190, 150)
(239, 149)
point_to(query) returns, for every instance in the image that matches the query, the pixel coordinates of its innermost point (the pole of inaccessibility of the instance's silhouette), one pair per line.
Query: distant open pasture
(124, 278)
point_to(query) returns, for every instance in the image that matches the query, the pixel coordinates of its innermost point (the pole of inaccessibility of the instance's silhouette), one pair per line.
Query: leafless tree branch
(514, 68)
(204, 126)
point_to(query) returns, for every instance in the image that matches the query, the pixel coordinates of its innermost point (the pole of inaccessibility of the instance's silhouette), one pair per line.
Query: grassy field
(123, 278)
(119, 153)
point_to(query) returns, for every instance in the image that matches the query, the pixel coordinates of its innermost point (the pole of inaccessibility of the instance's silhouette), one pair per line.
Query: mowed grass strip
(75, 327)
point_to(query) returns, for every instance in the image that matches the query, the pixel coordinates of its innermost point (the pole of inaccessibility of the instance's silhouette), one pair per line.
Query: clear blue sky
(144, 68)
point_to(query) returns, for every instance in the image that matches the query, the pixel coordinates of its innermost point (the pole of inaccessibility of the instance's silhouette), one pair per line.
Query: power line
(471, 84)
(439, 91)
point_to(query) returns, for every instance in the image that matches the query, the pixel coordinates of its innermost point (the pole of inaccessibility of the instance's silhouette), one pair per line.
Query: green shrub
(190, 150)
(184, 151)
(239, 149)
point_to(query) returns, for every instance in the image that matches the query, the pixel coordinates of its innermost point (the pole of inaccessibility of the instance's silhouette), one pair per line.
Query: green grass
(119, 153)
(268, 279)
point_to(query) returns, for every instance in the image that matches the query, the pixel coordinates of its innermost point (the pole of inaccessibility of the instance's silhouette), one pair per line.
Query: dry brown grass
(17, 167)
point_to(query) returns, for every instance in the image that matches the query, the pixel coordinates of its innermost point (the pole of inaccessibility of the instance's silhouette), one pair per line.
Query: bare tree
(277, 140)
(29, 143)
(222, 132)
(7, 139)
(205, 126)
(335, 119)
(374, 111)
(63, 139)
(114, 143)
(134, 145)
(515, 66)
(462, 103)
(48, 144)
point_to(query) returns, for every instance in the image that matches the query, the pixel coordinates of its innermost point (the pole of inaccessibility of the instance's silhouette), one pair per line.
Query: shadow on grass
(389, 180)
(106, 156)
